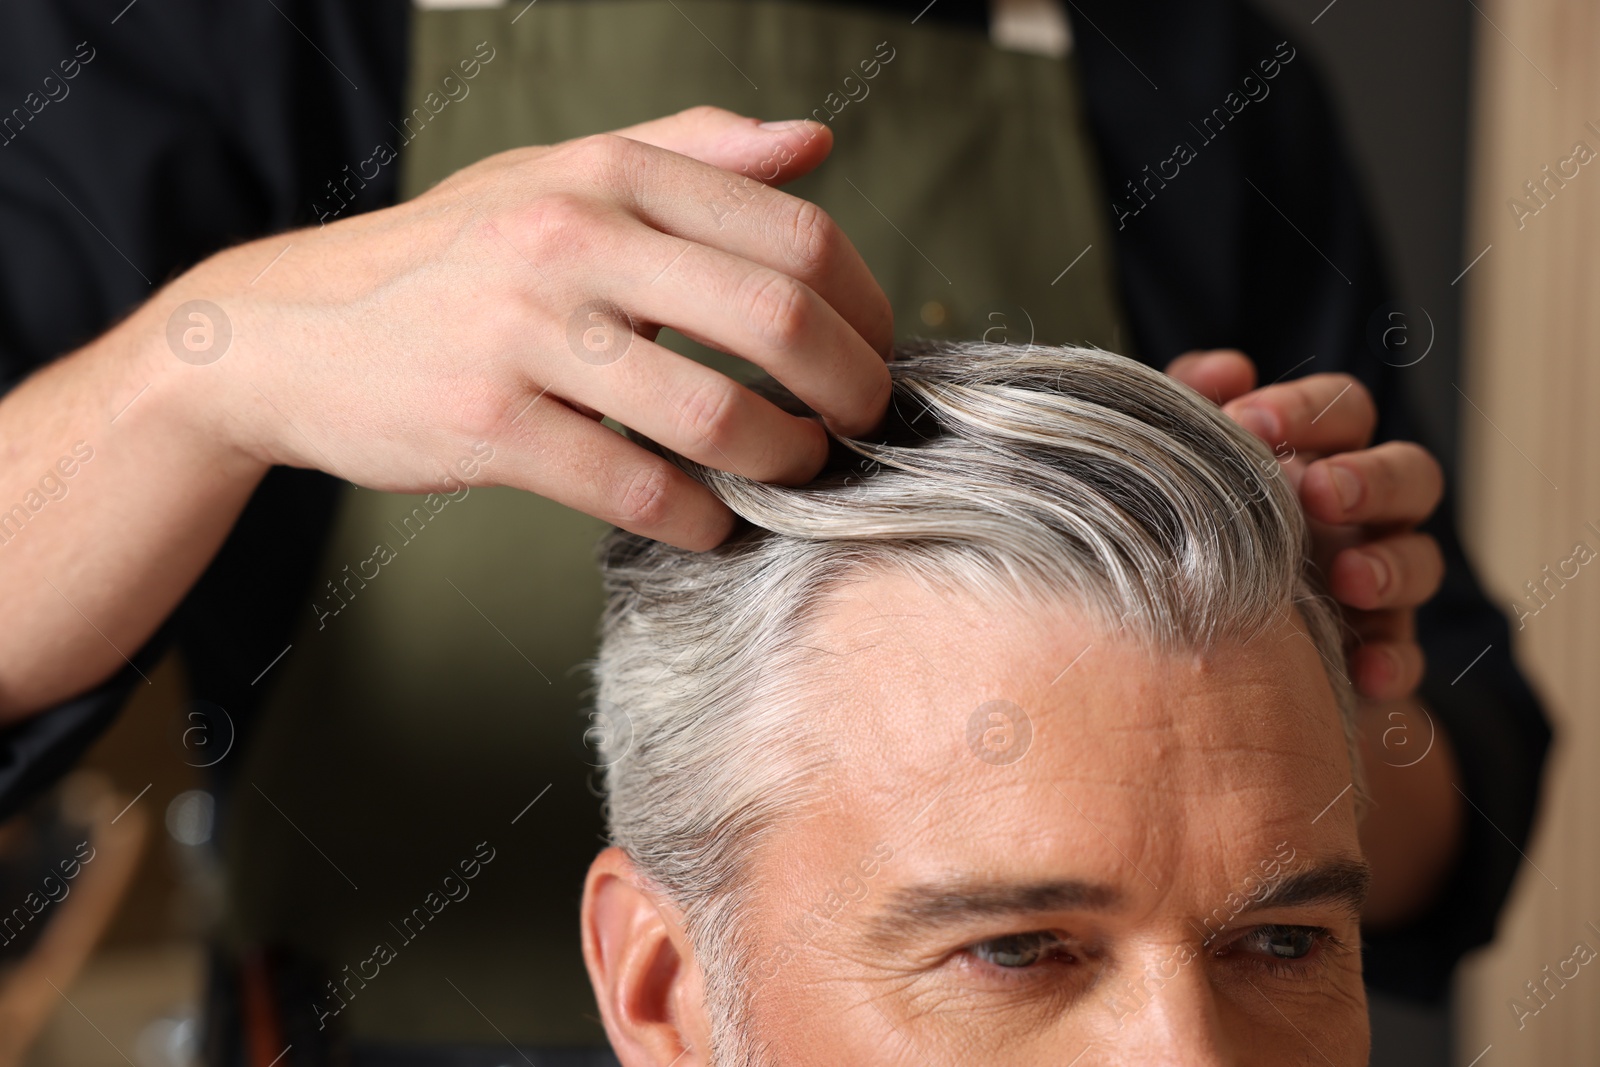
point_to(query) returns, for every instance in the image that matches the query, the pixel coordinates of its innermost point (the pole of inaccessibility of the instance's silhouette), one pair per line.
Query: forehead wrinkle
(898, 661)
(837, 618)
(893, 706)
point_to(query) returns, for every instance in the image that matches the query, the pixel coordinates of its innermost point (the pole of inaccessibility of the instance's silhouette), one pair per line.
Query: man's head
(1020, 735)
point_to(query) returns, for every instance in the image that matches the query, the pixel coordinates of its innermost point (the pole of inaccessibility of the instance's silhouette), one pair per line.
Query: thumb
(774, 152)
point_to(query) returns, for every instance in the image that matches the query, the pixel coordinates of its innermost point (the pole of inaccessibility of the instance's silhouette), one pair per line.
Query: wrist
(170, 360)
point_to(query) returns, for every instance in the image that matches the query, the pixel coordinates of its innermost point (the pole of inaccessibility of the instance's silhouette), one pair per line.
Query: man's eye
(1282, 942)
(1021, 950)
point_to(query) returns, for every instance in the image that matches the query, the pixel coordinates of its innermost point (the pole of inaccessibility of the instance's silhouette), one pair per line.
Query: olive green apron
(420, 711)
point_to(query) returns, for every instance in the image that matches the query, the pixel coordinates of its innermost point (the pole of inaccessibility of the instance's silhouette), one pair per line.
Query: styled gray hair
(1033, 473)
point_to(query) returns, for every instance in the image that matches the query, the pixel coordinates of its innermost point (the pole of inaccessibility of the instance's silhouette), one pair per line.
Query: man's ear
(642, 968)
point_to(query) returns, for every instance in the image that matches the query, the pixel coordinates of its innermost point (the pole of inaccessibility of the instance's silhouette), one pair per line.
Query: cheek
(1317, 1020)
(1335, 1025)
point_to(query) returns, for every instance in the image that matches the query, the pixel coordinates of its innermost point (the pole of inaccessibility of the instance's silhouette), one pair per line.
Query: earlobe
(641, 967)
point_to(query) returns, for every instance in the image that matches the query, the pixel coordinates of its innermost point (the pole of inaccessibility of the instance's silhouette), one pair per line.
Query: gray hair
(1033, 473)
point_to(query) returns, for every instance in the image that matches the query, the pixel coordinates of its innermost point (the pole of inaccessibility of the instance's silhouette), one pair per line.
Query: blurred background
(1452, 105)
(120, 943)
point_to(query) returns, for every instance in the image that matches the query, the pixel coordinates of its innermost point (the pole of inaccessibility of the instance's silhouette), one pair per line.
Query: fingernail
(1259, 421)
(1380, 573)
(1346, 485)
(783, 124)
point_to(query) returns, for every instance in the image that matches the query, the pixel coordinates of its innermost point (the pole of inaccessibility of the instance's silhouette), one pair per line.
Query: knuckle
(815, 238)
(609, 158)
(489, 414)
(555, 220)
(1339, 398)
(775, 307)
(602, 147)
(706, 113)
(709, 411)
(645, 500)
(1295, 403)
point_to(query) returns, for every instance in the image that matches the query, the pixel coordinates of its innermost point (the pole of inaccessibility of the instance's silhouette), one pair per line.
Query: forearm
(113, 499)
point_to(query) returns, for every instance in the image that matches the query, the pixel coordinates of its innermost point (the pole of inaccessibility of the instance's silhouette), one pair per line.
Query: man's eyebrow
(929, 907)
(923, 908)
(1341, 882)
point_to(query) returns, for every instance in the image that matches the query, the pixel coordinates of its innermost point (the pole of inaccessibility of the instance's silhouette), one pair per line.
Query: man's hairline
(817, 792)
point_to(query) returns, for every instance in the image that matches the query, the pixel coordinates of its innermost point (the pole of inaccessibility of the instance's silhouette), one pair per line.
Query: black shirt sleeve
(134, 142)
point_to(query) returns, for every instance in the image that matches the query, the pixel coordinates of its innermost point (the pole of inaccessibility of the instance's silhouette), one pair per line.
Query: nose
(1166, 1015)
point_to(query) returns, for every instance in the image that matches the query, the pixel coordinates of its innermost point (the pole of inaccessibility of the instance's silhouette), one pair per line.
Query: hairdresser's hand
(1364, 503)
(460, 335)
(383, 346)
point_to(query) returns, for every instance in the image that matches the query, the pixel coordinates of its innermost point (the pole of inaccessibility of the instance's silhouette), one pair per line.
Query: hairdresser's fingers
(1387, 670)
(587, 466)
(1321, 413)
(771, 152)
(1401, 571)
(1398, 625)
(1385, 662)
(769, 318)
(1397, 482)
(1219, 374)
(708, 206)
(1377, 627)
(699, 413)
